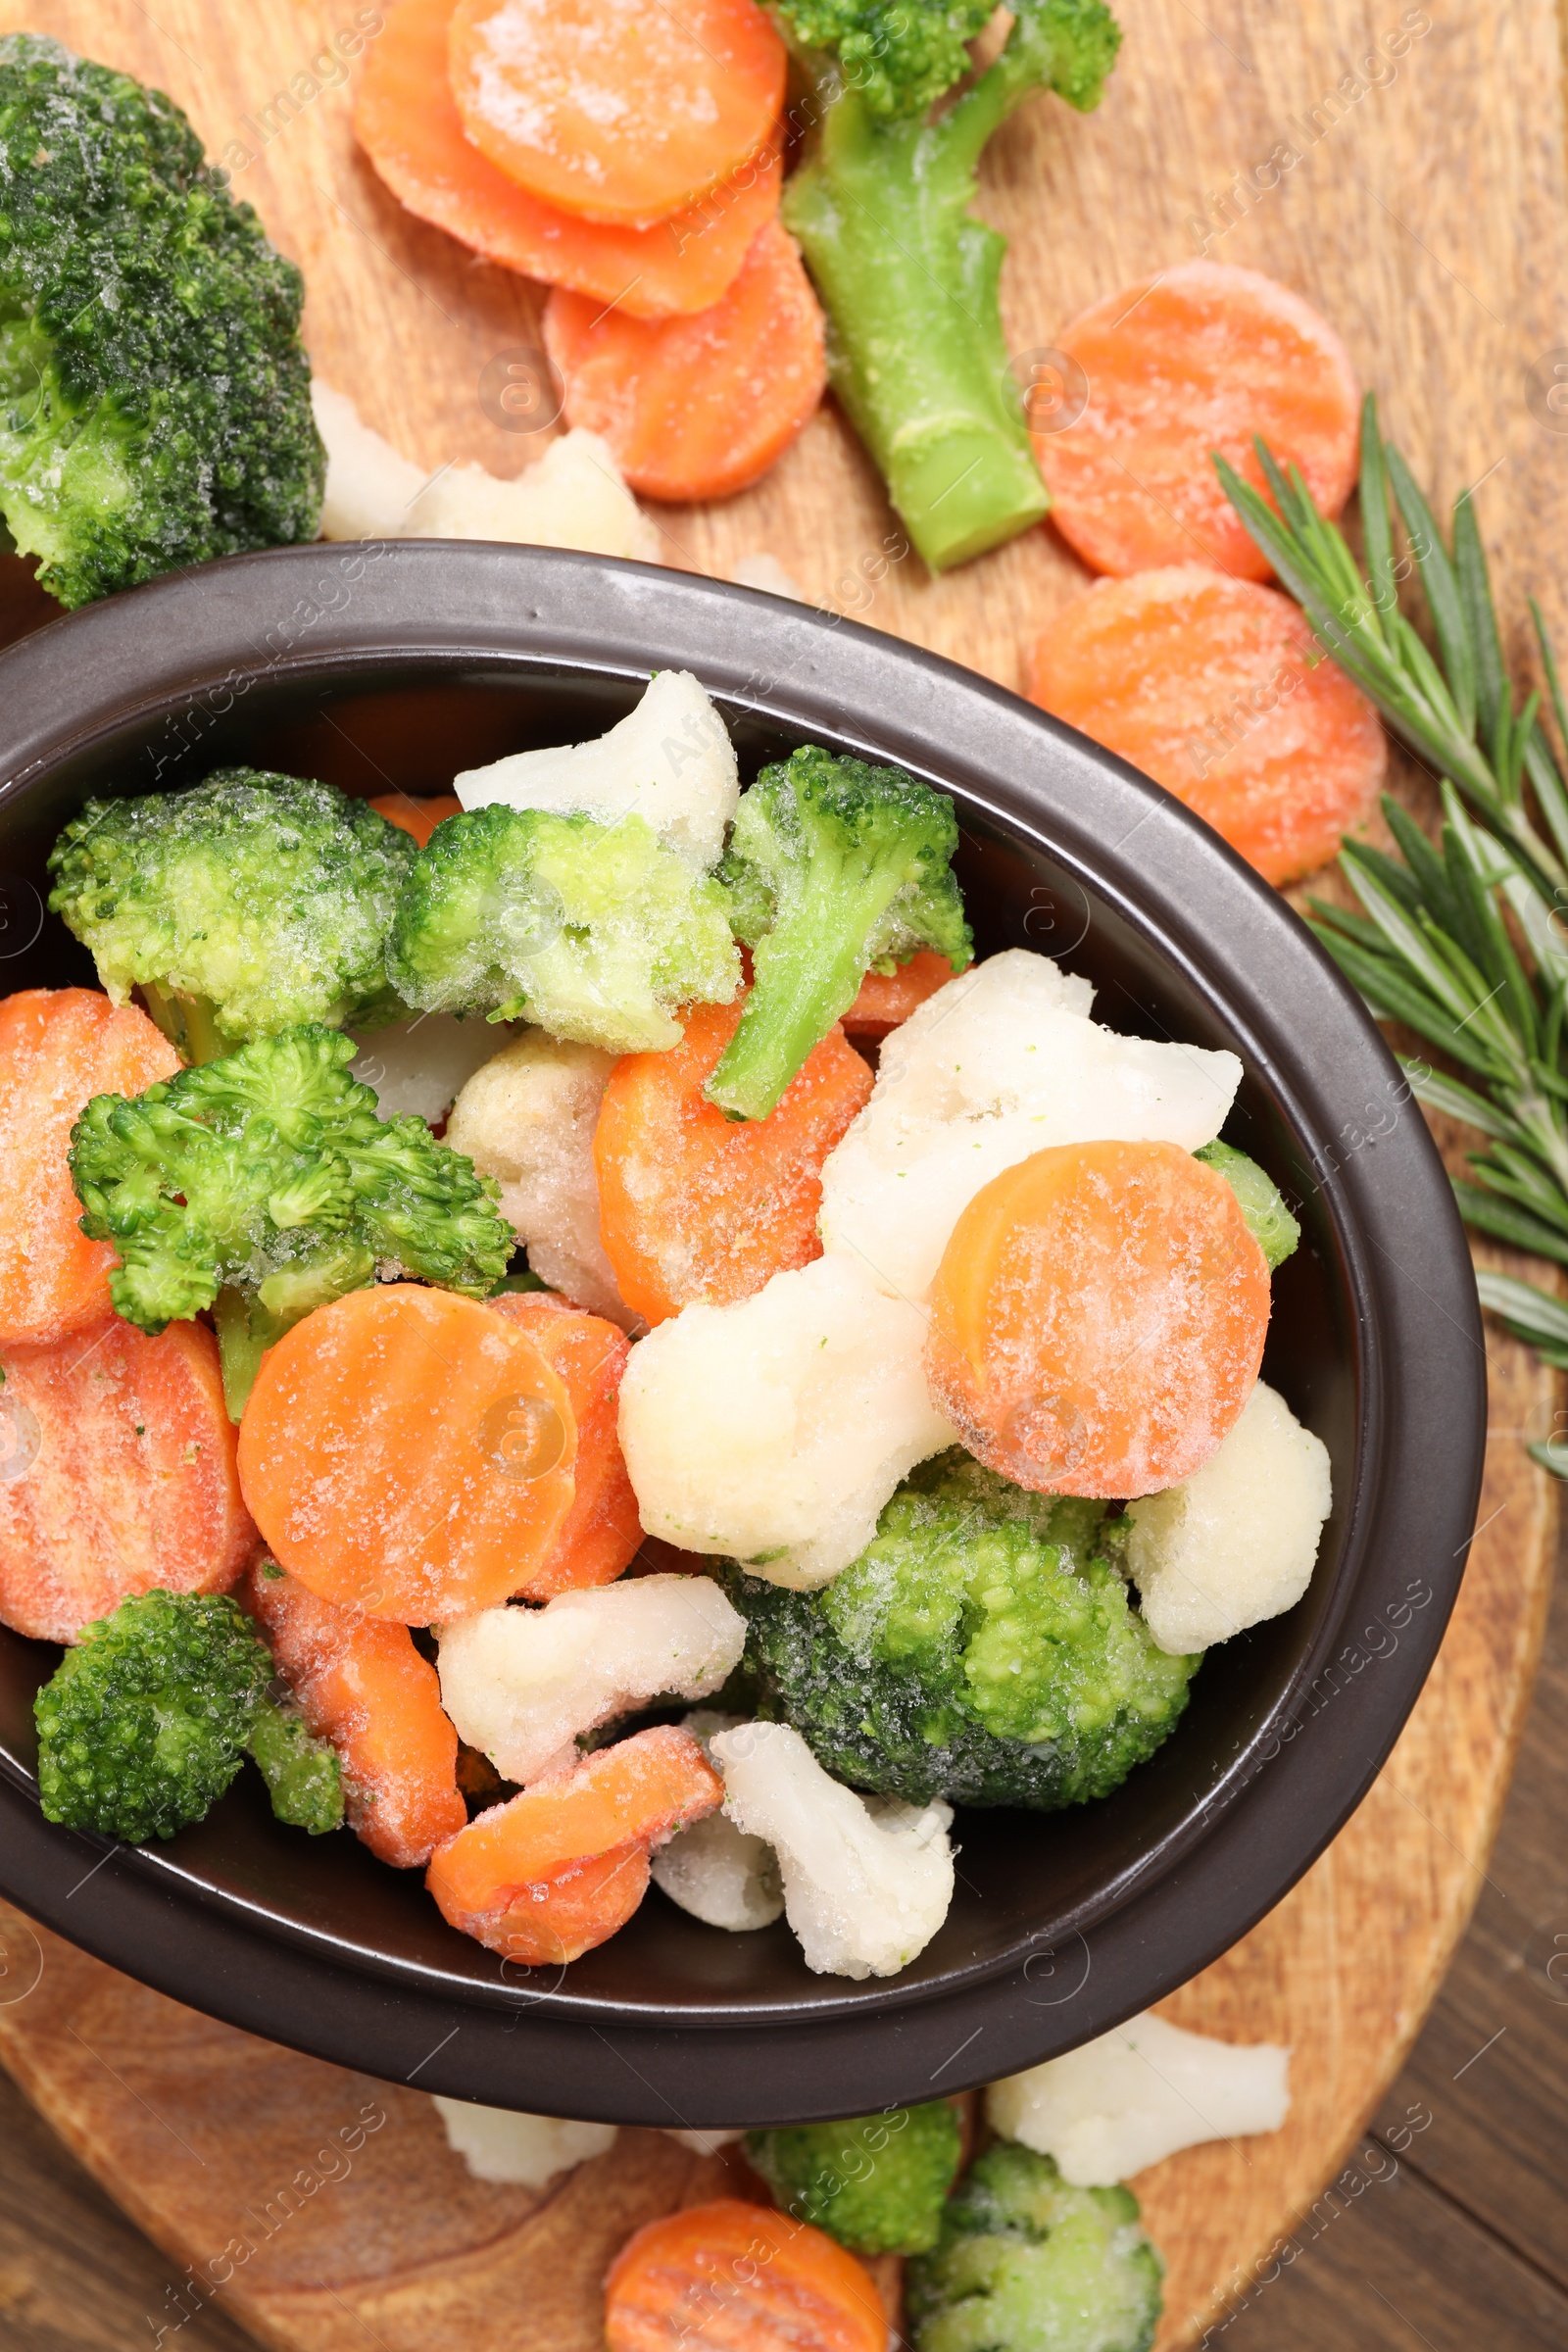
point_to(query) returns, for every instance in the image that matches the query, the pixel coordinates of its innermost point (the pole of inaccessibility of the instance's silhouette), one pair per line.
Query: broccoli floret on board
(877, 2182)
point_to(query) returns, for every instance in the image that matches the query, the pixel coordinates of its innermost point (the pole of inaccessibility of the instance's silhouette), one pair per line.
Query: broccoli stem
(189, 1022)
(302, 1776)
(249, 1323)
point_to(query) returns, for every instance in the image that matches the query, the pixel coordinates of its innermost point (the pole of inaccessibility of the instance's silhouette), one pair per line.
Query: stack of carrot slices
(631, 158)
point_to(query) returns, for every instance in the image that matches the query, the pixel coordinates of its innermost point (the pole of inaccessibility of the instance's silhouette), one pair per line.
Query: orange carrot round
(1196, 360)
(556, 1871)
(407, 1452)
(738, 2278)
(887, 998)
(117, 1475)
(407, 121)
(610, 109)
(1218, 690)
(419, 817)
(59, 1047)
(601, 1533)
(1098, 1319)
(696, 407)
(695, 1207)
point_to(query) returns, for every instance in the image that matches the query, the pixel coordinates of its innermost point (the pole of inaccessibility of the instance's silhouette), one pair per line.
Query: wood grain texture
(1428, 220)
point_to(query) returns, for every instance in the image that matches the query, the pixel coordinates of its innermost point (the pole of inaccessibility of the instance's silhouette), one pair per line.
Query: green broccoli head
(834, 868)
(155, 397)
(145, 1723)
(877, 2182)
(1263, 1204)
(239, 909)
(593, 932)
(898, 58)
(270, 1176)
(983, 1647)
(1027, 2264)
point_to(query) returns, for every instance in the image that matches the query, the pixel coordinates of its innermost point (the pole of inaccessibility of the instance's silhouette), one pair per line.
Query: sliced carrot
(552, 1873)
(407, 121)
(1218, 690)
(408, 1453)
(1196, 360)
(419, 817)
(601, 1533)
(360, 1684)
(1098, 1319)
(695, 1207)
(696, 408)
(737, 2277)
(610, 109)
(58, 1046)
(887, 998)
(117, 1475)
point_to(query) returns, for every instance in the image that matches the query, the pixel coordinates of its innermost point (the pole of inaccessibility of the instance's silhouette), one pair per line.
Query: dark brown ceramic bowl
(396, 665)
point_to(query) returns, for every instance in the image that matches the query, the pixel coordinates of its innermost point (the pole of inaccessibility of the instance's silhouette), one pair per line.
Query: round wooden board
(1442, 278)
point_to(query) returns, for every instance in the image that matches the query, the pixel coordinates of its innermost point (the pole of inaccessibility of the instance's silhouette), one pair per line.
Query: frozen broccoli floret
(983, 1647)
(877, 2183)
(834, 868)
(238, 909)
(1263, 1204)
(146, 1722)
(1026, 2264)
(592, 931)
(266, 1185)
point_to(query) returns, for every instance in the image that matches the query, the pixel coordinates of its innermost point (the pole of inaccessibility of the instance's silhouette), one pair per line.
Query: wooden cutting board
(1424, 211)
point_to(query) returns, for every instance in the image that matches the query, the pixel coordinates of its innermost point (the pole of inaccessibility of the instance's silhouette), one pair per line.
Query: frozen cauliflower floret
(774, 1431)
(370, 489)
(763, 569)
(1237, 1542)
(1002, 1062)
(714, 1870)
(521, 1684)
(526, 2151)
(420, 1065)
(1140, 2093)
(526, 1117)
(867, 1881)
(669, 761)
(701, 2143)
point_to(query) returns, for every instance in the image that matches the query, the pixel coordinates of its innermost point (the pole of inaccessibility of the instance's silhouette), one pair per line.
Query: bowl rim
(187, 643)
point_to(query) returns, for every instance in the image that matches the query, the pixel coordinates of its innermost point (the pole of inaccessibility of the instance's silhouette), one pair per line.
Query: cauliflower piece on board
(1000, 1063)
(867, 1881)
(669, 761)
(523, 1684)
(370, 489)
(526, 1117)
(526, 2151)
(1238, 1540)
(420, 1065)
(775, 1430)
(715, 1871)
(1140, 2093)
(701, 2143)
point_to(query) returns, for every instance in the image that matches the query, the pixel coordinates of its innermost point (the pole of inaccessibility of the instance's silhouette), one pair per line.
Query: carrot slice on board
(601, 1533)
(552, 1873)
(117, 1475)
(1196, 360)
(419, 817)
(408, 1453)
(58, 1046)
(738, 2278)
(1218, 690)
(695, 1207)
(407, 121)
(887, 998)
(1098, 1319)
(359, 1682)
(696, 407)
(610, 109)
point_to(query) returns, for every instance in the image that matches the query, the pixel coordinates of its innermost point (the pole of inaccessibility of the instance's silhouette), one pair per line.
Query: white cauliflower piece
(525, 2150)
(701, 2143)
(715, 1871)
(763, 569)
(370, 489)
(1237, 1542)
(1002, 1062)
(418, 1066)
(775, 1430)
(867, 1881)
(522, 1684)
(527, 1118)
(669, 761)
(1140, 2093)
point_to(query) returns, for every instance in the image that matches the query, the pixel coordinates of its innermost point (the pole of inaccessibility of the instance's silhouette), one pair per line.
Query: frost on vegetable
(1138, 2094)
(715, 1871)
(523, 1685)
(774, 1431)
(1001, 1063)
(1237, 1542)
(867, 1881)
(526, 2152)
(877, 2182)
(669, 761)
(416, 1068)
